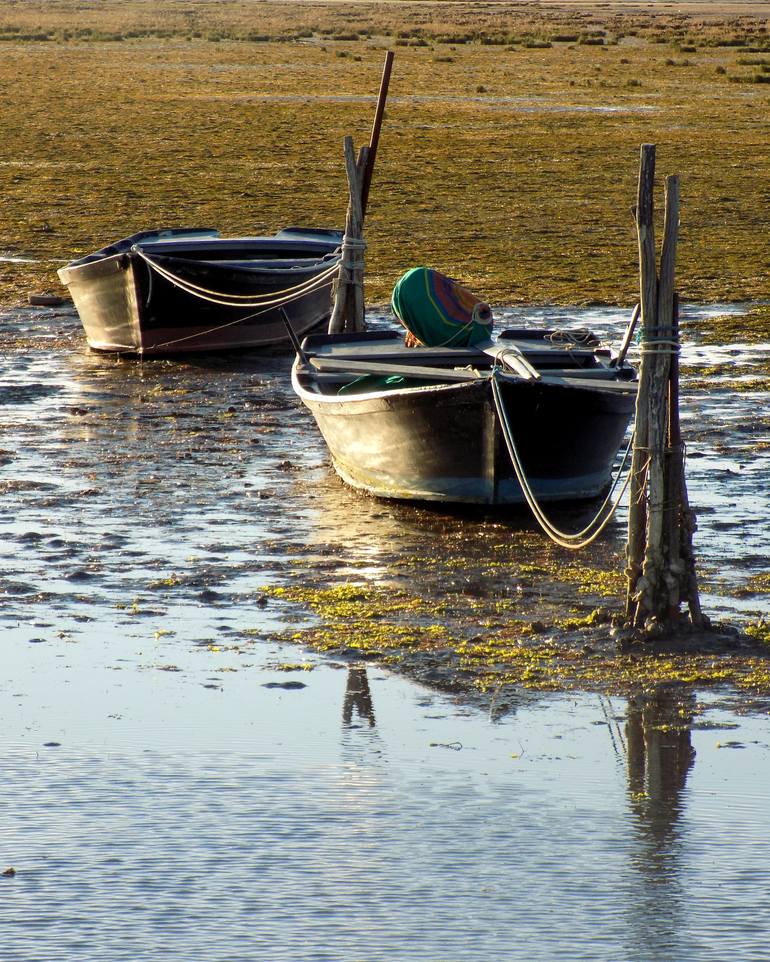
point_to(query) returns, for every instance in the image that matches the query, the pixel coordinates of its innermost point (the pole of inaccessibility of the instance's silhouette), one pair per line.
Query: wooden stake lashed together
(660, 558)
(348, 312)
(656, 352)
(648, 296)
(374, 140)
(681, 562)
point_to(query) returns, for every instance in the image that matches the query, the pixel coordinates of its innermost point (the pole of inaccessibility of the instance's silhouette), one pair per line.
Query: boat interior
(333, 364)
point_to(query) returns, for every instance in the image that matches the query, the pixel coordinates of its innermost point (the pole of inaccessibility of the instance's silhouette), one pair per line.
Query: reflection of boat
(173, 291)
(454, 424)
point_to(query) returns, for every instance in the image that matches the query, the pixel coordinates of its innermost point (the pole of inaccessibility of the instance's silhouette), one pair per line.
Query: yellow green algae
(390, 626)
(747, 369)
(758, 584)
(750, 327)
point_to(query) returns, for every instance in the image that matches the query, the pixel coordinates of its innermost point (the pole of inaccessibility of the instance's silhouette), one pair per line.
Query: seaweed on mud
(401, 629)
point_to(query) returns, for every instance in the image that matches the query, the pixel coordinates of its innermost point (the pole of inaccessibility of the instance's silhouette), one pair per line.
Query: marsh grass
(512, 171)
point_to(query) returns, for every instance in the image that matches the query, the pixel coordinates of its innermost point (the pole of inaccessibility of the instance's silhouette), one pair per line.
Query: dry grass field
(508, 159)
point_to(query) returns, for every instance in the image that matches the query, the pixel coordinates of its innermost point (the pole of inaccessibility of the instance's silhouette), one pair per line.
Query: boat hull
(445, 443)
(127, 306)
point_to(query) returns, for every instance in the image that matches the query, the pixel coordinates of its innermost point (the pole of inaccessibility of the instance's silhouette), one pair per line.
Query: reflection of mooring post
(358, 696)
(660, 559)
(660, 753)
(348, 313)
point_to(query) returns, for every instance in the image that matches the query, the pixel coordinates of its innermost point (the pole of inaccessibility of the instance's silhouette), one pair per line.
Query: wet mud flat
(190, 502)
(210, 751)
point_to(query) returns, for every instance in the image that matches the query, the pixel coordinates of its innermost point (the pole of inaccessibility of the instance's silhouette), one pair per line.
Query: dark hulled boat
(430, 424)
(182, 290)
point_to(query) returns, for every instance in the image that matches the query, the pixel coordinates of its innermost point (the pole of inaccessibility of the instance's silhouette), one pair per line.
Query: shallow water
(161, 802)
(361, 817)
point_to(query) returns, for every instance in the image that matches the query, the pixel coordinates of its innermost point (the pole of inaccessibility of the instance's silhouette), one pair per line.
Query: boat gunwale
(201, 237)
(627, 388)
(304, 393)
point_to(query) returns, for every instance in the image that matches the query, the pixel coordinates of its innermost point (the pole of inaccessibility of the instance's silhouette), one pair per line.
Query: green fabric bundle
(438, 312)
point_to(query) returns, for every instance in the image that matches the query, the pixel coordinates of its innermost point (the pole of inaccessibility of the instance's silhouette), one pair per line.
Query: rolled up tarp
(439, 312)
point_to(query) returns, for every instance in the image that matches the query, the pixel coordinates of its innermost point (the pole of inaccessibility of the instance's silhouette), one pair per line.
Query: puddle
(176, 780)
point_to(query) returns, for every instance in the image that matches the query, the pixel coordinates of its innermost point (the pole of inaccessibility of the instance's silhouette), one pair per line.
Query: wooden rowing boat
(178, 291)
(429, 424)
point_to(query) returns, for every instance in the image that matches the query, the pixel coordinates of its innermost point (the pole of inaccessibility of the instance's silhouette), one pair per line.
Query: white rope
(272, 299)
(659, 346)
(576, 540)
(238, 320)
(353, 253)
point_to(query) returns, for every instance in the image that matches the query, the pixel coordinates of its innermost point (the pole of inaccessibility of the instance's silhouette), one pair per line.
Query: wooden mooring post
(348, 311)
(660, 560)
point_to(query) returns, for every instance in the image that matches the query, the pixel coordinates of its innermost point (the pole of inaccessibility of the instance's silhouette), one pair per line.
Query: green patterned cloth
(438, 312)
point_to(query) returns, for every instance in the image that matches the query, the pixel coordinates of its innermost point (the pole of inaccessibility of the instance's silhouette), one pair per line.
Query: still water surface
(167, 796)
(362, 818)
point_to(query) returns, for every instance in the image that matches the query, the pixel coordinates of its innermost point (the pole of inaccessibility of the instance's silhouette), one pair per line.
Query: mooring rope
(271, 299)
(238, 320)
(573, 541)
(659, 346)
(356, 247)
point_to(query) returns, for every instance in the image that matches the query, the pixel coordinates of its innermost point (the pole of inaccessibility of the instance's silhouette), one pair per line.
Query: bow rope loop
(580, 539)
(265, 303)
(238, 320)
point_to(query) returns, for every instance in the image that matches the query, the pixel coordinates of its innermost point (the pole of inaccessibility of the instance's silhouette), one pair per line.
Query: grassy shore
(509, 155)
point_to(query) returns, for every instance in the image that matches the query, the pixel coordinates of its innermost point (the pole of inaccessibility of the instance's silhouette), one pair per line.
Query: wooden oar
(293, 336)
(596, 384)
(388, 370)
(627, 337)
(376, 127)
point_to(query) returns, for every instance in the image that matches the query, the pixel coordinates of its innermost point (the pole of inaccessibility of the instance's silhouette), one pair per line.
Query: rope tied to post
(353, 254)
(659, 345)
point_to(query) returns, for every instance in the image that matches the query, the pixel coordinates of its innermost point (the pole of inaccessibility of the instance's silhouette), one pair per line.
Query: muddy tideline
(508, 160)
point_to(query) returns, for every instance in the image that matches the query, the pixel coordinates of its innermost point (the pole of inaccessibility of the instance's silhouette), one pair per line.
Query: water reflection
(361, 745)
(358, 699)
(660, 755)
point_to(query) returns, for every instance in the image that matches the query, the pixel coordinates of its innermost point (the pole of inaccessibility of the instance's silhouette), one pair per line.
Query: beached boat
(181, 290)
(465, 424)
